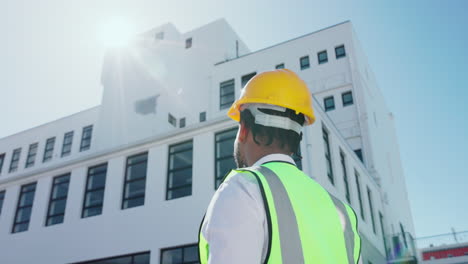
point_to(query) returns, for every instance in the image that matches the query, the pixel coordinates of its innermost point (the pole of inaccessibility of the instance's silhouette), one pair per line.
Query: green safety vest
(303, 223)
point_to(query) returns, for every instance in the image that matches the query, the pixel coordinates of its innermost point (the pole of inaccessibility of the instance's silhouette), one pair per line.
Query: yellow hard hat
(279, 87)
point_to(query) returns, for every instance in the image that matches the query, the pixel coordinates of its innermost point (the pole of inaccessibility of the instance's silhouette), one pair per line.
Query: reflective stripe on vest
(303, 222)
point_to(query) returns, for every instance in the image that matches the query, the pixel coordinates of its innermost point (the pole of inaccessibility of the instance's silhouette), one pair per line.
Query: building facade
(130, 180)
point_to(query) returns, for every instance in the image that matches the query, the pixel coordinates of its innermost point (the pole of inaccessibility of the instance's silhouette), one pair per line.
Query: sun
(115, 32)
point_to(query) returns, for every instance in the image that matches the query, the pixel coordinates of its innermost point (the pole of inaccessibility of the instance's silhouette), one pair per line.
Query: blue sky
(50, 62)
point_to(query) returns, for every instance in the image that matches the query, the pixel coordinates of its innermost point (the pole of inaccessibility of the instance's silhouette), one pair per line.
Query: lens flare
(115, 32)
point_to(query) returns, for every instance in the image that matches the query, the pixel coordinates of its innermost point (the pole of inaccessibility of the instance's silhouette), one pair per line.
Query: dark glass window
(226, 94)
(329, 103)
(31, 155)
(172, 120)
(180, 255)
(359, 154)
(224, 150)
(67, 143)
(24, 208)
(188, 43)
(246, 78)
(2, 198)
(2, 160)
(58, 200)
(135, 181)
(358, 186)
(347, 98)
(179, 173)
(403, 233)
(340, 52)
(94, 191)
(136, 258)
(202, 116)
(182, 122)
(15, 160)
(326, 141)
(371, 209)
(304, 62)
(86, 138)
(280, 66)
(322, 57)
(160, 35)
(345, 176)
(383, 233)
(49, 149)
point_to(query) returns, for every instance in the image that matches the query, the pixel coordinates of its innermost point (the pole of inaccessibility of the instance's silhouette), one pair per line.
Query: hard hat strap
(273, 120)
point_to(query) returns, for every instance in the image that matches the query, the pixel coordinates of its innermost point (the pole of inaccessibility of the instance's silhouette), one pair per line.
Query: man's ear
(243, 133)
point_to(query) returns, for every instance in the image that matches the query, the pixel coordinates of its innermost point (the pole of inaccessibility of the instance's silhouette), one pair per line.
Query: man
(267, 210)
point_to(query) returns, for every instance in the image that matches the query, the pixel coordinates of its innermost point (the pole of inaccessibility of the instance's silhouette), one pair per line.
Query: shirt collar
(274, 157)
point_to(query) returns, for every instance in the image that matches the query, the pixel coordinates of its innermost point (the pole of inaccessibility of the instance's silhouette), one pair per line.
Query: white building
(134, 175)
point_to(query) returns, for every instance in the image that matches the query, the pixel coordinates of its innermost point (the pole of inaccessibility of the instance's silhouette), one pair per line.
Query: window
(2, 160)
(340, 52)
(304, 62)
(226, 94)
(297, 157)
(371, 209)
(202, 116)
(2, 198)
(322, 57)
(180, 255)
(246, 78)
(94, 191)
(31, 155)
(24, 208)
(224, 149)
(136, 258)
(347, 98)
(345, 176)
(403, 233)
(172, 120)
(135, 181)
(67, 143)
(329, 103)
(383, 233)
(159, 35)
(358, 186)
(179, 173)
(280, 66)
(58, 200)
(86, 138)
(49, 149)
(188, 43)
(326, 142)
(182, 122)
(359, 154)
(15, 160)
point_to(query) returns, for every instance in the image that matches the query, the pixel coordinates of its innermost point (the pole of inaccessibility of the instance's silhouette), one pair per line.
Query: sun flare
(115, 32)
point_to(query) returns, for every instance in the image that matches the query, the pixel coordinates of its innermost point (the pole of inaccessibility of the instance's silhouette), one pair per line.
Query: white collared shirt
(235, 224)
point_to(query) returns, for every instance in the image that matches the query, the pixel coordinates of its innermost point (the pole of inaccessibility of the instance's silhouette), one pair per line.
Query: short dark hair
(286, 139)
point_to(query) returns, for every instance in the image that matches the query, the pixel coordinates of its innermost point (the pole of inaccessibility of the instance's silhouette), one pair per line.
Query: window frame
(48, 150)
(67, 135)
(188, 43)
(202, 116)
(2, 161)
(182, 122)
(15, 158)
(326, 108)
(217, 159)
(172, 120)
(345, 176)
(347, 103)
(280, 66)
(304, 66)
(88, 191)
(328, 154)
(339, 56)
(223, 85)
(322, 61)
(171, 170)
(84, 146)
(246, 78)
(55, 183)
(31, 158)
(358, 189)
(371, 209)
(181, 247)
(2, 199)
(126, 181)
(18, 207)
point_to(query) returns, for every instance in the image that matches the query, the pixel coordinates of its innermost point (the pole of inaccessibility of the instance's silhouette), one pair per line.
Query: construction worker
(267, 210)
